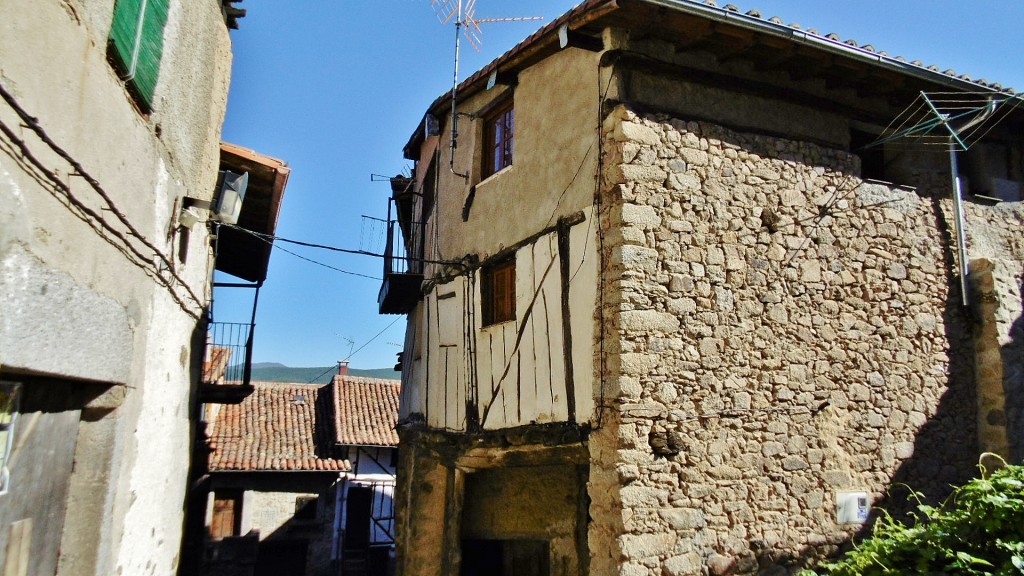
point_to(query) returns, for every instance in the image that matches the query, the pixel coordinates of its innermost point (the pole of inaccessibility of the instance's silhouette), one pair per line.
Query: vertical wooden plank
(450, 307)
(526, 364)
(473, 345)
(19, 545)
(485, 370)
(583, 301)
(466, 365)
(542, 400)
(434, 367)
(558, 410)
(505, 378)
(428, 309)
(563, 261)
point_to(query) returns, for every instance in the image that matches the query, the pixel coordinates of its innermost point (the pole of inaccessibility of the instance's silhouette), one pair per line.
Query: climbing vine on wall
(978, 529)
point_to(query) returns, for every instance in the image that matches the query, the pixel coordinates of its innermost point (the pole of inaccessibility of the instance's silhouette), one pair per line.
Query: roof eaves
(752, 21)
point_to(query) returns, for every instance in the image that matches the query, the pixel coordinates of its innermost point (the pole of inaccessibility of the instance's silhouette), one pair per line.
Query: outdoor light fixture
(227, 204)
(227, 201)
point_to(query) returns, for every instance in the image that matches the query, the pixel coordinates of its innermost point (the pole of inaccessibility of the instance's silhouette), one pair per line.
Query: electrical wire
(367, 343)
(318, 376)
(270, 238)
(123, 241)
(377, 335)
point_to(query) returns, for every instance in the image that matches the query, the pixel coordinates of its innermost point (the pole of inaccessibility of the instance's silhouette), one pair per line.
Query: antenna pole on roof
(465, 22)
(455, 86)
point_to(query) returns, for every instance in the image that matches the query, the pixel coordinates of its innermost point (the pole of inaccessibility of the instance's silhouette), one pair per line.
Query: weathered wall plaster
(84, 298)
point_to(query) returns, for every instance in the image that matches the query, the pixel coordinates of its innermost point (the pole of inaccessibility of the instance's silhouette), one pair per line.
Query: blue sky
(336, 88)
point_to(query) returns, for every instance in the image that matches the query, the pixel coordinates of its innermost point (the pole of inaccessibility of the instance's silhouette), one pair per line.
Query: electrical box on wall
(852, 507)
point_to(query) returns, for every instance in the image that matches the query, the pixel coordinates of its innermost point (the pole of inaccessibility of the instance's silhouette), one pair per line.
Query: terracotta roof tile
(216, 363)
(366, 411)
(277, 427)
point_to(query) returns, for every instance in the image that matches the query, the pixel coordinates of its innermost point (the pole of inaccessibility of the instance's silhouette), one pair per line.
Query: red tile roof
(216, 364)
(277, 427)
(366, 411)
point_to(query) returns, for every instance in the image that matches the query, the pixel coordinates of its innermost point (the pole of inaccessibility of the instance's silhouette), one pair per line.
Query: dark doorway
(505, 558)
(282, 558)
(357, 517)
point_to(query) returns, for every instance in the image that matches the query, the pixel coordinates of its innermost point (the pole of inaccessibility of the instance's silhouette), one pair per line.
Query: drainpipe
(961, 226)
(958, 208)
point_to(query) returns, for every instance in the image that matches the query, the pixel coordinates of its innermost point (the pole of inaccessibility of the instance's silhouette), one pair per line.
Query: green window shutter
(136, 44)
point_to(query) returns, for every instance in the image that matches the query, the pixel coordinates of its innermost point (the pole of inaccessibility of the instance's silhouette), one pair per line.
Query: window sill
(496, 175)
(498, 324)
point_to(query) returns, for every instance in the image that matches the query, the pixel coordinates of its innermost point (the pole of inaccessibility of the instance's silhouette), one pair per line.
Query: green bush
(978, 529)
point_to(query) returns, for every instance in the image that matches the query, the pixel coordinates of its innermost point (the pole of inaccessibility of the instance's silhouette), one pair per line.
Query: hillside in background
(274, 372)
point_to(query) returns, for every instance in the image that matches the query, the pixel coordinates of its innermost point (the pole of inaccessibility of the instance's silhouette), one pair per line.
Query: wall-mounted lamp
(227, 204)
(227, 201)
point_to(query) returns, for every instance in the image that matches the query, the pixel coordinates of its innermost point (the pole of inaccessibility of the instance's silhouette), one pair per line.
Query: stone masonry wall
(272, 513)
(776, 331)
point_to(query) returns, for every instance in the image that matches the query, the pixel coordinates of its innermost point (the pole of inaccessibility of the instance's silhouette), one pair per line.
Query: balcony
(227, 367)
(403, 260)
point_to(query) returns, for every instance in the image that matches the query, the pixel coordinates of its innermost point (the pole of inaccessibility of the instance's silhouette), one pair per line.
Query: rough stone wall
(272, 513)
(995, 245)
(776, 331)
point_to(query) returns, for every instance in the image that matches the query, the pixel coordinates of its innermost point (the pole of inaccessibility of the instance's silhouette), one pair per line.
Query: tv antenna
(951, 122)
(463, 14)
(351, 345)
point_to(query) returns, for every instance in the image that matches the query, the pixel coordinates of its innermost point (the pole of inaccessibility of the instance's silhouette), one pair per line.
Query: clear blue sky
(336, 88)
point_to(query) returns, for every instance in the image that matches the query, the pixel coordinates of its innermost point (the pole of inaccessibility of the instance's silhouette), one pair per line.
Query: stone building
(110, 124)
(299, 481)
(677, 306)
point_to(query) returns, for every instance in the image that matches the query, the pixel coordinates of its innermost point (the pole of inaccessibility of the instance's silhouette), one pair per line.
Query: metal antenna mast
(462, 12)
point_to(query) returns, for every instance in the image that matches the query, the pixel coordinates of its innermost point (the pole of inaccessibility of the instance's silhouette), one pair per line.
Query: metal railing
(403, 252)
(228, 353)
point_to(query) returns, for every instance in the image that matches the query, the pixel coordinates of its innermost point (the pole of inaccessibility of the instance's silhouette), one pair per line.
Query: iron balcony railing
(403, 252)
(228, 353)
(403, 267)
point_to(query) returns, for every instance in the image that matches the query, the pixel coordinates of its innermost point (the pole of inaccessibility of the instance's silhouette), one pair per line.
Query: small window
(498, 139)
(499, 293)
(136, 45)
(305, 508)
(227, 514)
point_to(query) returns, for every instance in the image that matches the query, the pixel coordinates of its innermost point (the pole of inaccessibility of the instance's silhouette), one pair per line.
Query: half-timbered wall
(516, 372)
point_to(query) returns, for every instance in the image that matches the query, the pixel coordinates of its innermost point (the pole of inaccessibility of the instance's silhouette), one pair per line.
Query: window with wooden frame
(227, 514)
(499, 132)
(136, 45)
(498, 292)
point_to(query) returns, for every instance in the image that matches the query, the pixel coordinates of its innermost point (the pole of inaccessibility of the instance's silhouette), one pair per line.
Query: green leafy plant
(977, 530)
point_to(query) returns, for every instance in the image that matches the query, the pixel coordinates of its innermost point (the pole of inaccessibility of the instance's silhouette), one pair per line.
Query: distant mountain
(268, 365)
(274, 372)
